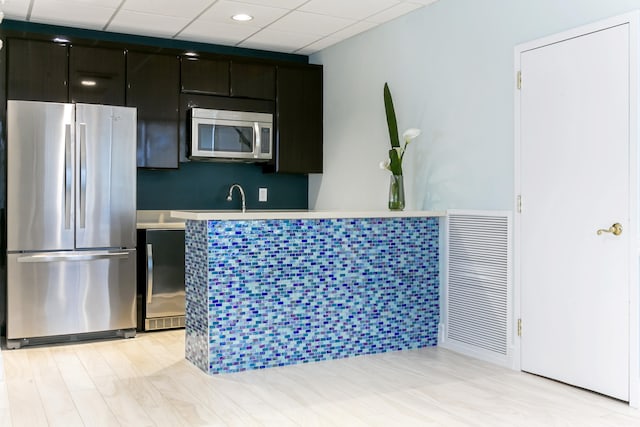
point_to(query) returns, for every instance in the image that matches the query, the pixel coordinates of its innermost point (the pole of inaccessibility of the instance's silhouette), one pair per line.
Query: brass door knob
(615, 229)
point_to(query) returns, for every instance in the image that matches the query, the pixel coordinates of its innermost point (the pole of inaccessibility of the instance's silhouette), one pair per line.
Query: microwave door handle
(258, 139)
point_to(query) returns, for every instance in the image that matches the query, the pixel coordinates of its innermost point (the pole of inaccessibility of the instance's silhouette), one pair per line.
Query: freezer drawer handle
(83, 174)
(90, 256)
(67, 177)
(149, 273)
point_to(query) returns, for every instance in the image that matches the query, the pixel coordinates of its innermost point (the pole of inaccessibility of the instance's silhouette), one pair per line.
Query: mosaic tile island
(276, 288)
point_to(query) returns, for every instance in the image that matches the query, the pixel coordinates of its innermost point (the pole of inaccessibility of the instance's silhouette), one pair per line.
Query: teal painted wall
(205, 185)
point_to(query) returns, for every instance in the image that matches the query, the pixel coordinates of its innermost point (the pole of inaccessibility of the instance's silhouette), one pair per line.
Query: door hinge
(519, 327)
(519, 203)
(519, 80)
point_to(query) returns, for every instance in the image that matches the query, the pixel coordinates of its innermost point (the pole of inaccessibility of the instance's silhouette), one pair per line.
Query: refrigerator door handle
(149, 273)
(84, 256)
(68, 180)
(83, 175)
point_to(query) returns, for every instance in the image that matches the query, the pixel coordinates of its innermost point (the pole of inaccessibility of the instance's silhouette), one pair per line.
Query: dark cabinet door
(253, 80)
(205, 76)
(96, 75)
(153, 82)
(299, 119)
(37, 71)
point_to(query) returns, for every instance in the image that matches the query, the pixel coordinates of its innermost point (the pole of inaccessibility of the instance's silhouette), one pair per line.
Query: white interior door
(574, 180)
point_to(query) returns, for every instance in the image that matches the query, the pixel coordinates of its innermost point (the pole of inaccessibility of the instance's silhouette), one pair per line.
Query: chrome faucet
(230, 196)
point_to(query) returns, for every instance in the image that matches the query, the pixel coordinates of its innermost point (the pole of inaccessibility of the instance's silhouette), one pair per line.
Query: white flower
(410, 134)
(385, 164)
(400, 150)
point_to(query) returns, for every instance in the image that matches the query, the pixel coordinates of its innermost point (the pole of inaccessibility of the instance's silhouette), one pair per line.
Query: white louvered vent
(478, 290)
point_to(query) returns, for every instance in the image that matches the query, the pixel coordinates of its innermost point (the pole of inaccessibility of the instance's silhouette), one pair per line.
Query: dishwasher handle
(149, 273)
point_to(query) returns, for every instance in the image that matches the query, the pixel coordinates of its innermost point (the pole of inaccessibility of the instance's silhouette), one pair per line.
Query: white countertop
(150, 219)
(222, 215)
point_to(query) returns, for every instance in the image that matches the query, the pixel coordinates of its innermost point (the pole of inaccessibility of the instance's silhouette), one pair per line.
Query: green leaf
(395, 165)
(391, 117)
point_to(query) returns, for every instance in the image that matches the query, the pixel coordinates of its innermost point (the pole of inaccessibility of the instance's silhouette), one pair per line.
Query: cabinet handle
(149, 273)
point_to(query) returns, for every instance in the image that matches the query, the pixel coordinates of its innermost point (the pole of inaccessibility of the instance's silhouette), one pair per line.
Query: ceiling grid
(289, 26)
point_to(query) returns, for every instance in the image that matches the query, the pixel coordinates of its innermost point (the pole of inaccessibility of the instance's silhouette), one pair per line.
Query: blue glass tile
(278, 292)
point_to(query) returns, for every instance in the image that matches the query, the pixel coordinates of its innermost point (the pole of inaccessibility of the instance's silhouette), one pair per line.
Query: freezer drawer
(62, 293)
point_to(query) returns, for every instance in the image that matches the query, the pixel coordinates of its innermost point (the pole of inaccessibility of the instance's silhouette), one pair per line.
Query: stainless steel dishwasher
(161, 296)
(164, 297)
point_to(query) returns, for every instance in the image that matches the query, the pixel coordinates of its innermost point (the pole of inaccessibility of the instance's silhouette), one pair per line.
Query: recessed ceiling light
(242, 17)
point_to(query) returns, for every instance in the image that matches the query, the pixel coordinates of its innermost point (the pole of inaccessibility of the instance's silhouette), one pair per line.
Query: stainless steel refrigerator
(71, 221)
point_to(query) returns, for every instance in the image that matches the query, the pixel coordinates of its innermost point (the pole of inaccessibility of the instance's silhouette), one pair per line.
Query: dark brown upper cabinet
(153, 87)
(37, 71)
(97, 75)
(299, 119)
(253, 80)
(204, 76)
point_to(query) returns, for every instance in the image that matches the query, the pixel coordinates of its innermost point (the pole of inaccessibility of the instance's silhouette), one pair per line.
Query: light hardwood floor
(146, 382)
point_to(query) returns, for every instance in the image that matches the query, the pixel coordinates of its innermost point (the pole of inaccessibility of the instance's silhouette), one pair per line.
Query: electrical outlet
(262, 194)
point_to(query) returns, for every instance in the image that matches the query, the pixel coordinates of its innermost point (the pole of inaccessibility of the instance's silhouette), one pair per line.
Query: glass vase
(396, 193)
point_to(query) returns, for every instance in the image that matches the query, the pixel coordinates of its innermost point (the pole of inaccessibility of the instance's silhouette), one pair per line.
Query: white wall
(450, 70)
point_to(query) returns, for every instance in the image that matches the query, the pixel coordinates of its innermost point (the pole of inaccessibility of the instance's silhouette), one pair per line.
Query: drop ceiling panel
(112, 4)
(351, 9)
(173, 8)
(127, 21)
(423, 2)
(223, 10)
(394, 12)
(217, 32)
(74, 13)
(14, 9)
(348, 32)
(351, 31)
(285, 4)
(295, 26)
(310, 23)
(279, 40)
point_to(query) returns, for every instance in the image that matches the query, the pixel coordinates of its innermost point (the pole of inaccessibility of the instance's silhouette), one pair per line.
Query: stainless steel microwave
(231, 135)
